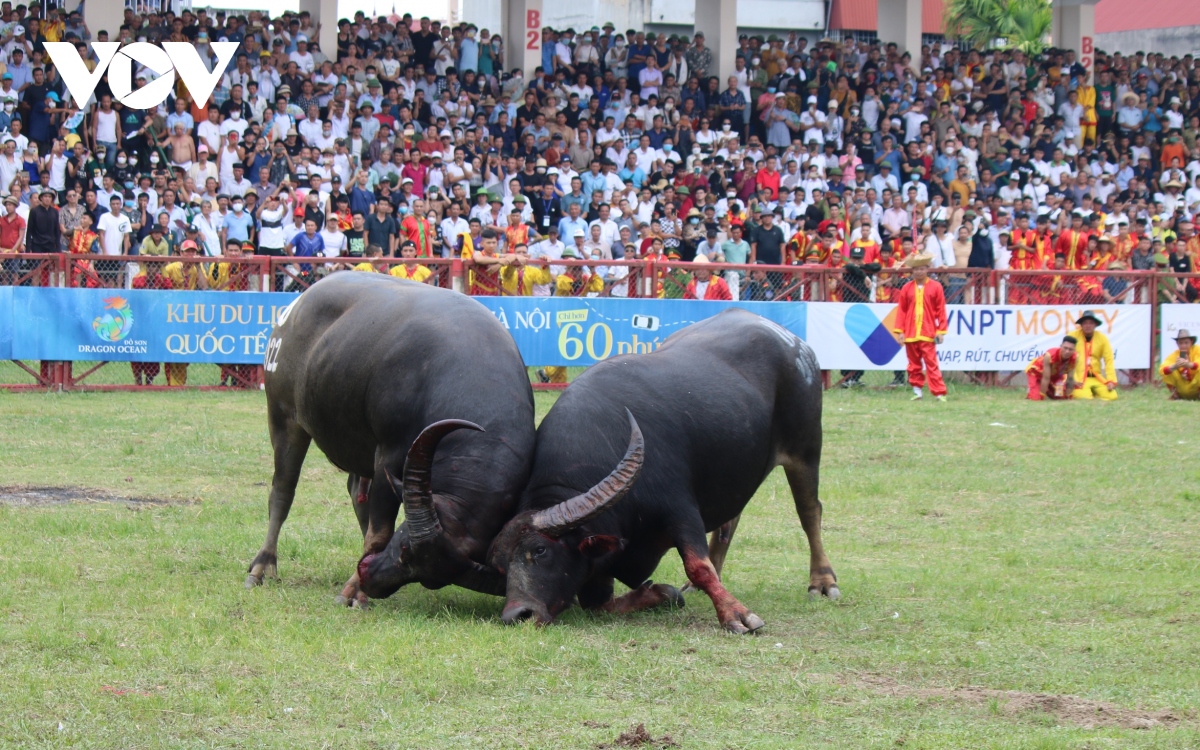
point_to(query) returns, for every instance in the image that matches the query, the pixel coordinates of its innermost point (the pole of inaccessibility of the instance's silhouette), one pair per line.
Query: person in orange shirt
(796, 248)
(517, 232)
(870, 247)
(485, 276)
(1052, 375)
(921, 324)
(1072, 243)
(706, 286)
(1124, 242)
(1025, 256)
(416, 227)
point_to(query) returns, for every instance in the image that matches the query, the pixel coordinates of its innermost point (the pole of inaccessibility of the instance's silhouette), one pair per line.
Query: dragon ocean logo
(872, 335)
(116, 321)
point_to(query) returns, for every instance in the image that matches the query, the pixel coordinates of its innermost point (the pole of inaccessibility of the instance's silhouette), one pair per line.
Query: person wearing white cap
(814, 122)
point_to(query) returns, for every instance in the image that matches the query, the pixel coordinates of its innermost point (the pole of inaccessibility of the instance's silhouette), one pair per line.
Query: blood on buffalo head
(547, 555)
(420, 550)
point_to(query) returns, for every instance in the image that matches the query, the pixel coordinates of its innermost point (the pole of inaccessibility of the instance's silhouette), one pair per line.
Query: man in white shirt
(912, 122)
(114, 229)
(453, 227)
(302, 57)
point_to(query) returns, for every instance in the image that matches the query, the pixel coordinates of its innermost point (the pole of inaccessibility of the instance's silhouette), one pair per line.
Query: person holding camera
(1179, 369)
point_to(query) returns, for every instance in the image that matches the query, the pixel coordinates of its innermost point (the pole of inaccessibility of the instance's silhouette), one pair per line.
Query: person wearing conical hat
(921, 324)
(1095, 369)
(1180, 368)
(704, 285)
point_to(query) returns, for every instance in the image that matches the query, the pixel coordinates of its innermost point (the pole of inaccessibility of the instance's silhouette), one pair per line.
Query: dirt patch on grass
(23, 496)
(638, 737)
(1067, 709)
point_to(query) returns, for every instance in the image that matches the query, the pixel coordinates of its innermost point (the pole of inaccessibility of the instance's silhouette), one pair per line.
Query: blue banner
(141, 325)
(6, 322)
(581, 331)
(150, 325)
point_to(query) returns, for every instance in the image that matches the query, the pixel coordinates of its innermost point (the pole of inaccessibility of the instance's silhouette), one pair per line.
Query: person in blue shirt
(631, 172)
(239, 224)
(592, 180)
(573, 221)
(306, 245)
(362, 198)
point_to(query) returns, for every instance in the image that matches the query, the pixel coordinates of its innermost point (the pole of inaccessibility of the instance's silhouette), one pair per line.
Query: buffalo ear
(600, 545)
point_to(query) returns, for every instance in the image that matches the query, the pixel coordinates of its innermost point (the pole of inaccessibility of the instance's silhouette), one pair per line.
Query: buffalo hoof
(252, 581)
(674, 597)
(744, 623)
(831, 591)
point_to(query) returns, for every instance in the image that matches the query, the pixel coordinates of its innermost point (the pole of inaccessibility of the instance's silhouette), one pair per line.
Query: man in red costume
(920, 325)
(1052, 375)
(706, 286)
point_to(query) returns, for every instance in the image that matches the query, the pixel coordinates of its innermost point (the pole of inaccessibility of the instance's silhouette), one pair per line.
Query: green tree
(1020, 24)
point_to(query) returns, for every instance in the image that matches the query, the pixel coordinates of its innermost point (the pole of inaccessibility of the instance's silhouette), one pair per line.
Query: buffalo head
(547, 556)
(420, 551)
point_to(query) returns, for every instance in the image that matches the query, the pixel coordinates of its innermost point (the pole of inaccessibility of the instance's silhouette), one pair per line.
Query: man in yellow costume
(1179, 369)
(1095, 371)
(187, 277)
(1087, 99)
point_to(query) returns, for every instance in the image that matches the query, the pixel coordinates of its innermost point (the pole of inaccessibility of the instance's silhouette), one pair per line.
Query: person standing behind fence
(42, 234)
(115, 230)
(1179, 369)
(186, 277)
(921, 324)
(1095, 373)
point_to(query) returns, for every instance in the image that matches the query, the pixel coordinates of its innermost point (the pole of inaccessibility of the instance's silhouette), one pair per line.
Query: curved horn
(570, 514)
(423, 525)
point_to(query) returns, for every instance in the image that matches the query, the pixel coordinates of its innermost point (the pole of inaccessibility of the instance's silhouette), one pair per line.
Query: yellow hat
(918, 261)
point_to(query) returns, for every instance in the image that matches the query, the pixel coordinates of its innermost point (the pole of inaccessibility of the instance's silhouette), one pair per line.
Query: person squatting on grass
(1096, 371)
(1052, 375)
(1179, 368)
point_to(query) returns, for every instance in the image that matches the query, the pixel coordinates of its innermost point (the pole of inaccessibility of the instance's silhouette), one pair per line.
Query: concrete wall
(1171, 41)
(656, 14)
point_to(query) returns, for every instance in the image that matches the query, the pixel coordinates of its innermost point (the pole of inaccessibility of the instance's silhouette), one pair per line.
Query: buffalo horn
(423, 525)
(570, 514)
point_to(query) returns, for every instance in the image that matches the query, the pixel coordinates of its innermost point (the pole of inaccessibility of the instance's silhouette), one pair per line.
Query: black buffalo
(378, 371)
(711, 413)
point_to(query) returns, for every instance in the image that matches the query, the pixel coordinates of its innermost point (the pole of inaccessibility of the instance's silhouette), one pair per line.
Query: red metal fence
(643, 278)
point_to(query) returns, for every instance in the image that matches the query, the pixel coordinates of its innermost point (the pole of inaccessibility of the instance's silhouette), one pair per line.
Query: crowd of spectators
(418, 139)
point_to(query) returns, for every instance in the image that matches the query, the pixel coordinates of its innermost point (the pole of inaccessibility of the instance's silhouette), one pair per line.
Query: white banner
(1175, 317)
(853, 336)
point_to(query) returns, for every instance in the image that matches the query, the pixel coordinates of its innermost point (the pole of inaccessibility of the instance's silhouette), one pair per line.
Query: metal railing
(636, 278)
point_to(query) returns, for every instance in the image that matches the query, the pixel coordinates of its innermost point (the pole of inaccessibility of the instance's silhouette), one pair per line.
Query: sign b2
(165, 61)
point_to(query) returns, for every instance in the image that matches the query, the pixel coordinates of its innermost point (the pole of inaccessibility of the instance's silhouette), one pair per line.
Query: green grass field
(1015, 575)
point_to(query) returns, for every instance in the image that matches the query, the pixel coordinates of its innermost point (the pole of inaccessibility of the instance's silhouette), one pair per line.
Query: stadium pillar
(522, 20)
(324, 12)
(1075, 28)
(718, 21)
(899, 21)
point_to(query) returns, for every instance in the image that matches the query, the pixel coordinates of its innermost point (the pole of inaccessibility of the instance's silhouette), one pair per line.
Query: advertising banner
(6, 322)
(581, 331)
(850, 336)
(234, 327)
(1174, 318)
(146, 325)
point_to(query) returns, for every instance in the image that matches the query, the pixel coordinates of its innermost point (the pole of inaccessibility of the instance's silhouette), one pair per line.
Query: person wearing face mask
(239, 224)
(733, 107)
(616, 58)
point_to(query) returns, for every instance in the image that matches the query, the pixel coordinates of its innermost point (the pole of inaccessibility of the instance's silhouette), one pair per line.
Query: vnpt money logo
(871, 334)
(116, 321)
(164, 62)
